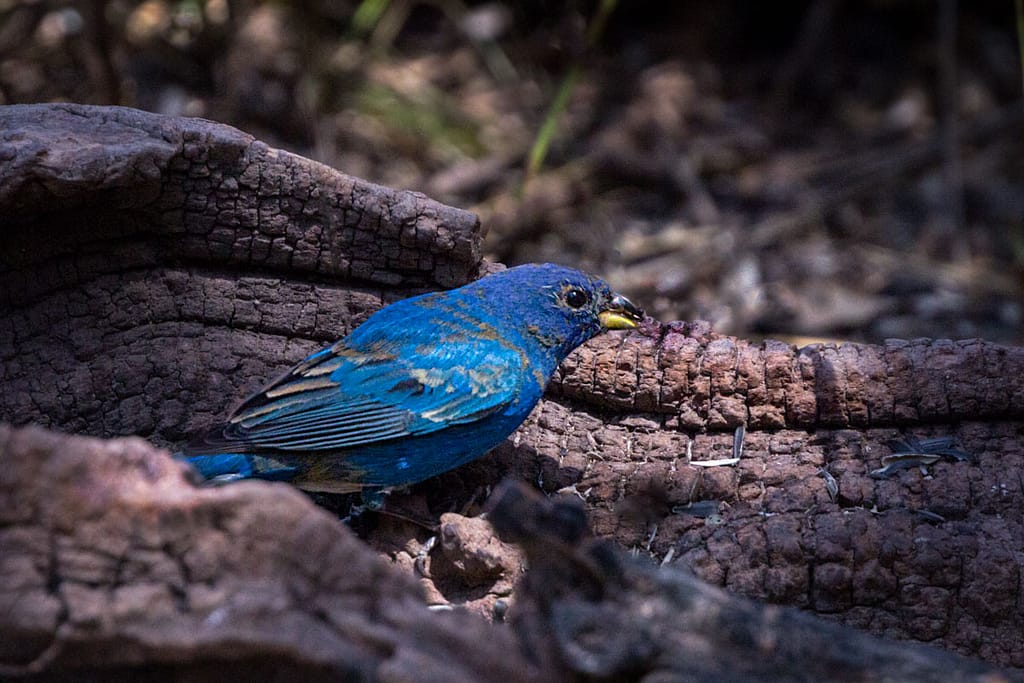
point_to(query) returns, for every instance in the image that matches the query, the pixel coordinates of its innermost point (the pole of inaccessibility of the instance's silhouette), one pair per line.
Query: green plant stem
(604, 10)
(547, 130)
(539, 150)
(367, 15)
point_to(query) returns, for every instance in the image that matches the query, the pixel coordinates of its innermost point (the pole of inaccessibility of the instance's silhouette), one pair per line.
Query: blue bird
(423, 386)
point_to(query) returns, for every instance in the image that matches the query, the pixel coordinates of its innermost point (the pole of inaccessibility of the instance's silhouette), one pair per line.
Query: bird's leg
(373, 498)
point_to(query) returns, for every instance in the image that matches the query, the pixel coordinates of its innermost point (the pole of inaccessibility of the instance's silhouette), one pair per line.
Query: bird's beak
(620, 314)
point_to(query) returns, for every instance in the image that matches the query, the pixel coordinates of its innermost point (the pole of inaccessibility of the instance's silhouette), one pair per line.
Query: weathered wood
(208, 259)
(115, 563)
(111, 560)
(589, 611)
(153, 271)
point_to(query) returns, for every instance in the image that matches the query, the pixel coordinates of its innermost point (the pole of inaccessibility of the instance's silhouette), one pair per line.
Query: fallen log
(113, 563)
(153, 271)
(593, 613)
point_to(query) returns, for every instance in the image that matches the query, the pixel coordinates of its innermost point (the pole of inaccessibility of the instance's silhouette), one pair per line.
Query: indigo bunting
(424, 385)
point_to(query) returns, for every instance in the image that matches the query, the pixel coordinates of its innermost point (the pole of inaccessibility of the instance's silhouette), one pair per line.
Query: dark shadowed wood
(587, 609)
(154, 270)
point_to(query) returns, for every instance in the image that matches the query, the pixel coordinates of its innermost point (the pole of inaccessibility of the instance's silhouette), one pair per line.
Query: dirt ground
(799, 170)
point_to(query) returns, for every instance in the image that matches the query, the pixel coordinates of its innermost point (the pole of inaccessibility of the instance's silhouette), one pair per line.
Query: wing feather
(342, 397)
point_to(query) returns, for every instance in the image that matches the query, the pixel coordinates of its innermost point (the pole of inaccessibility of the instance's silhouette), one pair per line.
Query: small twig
(737, 441)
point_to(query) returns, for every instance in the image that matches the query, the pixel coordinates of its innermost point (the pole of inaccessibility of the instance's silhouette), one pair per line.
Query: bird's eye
(576, 298)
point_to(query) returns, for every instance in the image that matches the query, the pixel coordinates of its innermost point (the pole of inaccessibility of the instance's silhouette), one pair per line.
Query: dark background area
(801, 170)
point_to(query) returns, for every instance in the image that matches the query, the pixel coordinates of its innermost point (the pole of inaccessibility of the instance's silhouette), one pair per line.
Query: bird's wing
(341, 398)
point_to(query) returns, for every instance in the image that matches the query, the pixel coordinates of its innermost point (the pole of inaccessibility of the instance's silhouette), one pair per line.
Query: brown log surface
(112, 561)
(932, 554)
(658, 623)
(155, 270)
(116, 564)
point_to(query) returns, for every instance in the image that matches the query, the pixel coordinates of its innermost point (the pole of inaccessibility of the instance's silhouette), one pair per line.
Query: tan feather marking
(375, 353)
(432, 378)
(304, 385)
(327, 486)
(482, 379)
(325, 368)
(548, 340)
(320, 476)
(444, 412)
(483, 330)
(263, 410)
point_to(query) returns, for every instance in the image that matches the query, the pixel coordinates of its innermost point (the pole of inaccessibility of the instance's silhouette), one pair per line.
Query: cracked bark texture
(931, 554)
(153, 271)
(114, 563)
(118, 566)
(659, 624)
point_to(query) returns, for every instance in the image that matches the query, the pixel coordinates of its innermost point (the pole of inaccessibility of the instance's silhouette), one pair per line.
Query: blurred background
(815, 170)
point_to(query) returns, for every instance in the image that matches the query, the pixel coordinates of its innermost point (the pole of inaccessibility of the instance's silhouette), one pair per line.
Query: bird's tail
(222, 468)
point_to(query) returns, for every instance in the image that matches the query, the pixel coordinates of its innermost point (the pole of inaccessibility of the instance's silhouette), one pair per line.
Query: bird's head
(559, 307)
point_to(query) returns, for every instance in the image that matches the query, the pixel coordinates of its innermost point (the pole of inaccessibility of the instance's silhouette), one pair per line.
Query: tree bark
(154, 271)
(588, 610)
(113, 563)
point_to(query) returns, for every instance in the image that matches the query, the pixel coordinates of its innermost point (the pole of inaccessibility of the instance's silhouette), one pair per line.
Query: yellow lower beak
(614, 320)
(620, 314)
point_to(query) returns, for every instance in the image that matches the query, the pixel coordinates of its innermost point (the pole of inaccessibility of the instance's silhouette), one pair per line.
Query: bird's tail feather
(221, 468)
